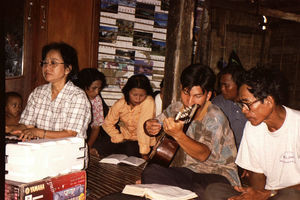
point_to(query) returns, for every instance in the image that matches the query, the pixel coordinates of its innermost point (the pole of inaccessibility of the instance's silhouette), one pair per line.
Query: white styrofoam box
(37, 159)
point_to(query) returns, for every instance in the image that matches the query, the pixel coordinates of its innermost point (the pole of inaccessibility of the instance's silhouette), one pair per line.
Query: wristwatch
(273, 193)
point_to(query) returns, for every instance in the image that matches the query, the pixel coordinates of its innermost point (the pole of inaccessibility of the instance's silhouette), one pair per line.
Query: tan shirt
(131, 122)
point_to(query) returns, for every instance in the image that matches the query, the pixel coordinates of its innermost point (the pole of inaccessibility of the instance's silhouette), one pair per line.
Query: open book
(122, 158)
(159, 192)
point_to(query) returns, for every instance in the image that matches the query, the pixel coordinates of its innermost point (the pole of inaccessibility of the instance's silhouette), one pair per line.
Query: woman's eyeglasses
(51, 63)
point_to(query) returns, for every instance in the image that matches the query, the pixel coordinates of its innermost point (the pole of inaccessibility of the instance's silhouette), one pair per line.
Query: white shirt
(158, 104)
(275, 154)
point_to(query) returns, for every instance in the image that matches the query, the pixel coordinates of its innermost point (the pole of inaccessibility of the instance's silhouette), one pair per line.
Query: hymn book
(122, 158)
(159, 192)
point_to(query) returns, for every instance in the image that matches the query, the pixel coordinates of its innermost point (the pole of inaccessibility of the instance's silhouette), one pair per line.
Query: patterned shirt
(70, 110)
(214, 131)
(131, 122)
(97, 108)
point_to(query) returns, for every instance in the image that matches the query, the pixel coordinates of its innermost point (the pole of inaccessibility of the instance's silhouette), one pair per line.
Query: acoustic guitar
(166, 147)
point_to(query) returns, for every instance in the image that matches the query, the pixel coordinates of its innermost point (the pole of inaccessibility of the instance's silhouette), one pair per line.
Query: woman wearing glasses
(57, 109)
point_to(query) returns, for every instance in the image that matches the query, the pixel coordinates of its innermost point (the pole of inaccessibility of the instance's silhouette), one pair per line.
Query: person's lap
(105, 147)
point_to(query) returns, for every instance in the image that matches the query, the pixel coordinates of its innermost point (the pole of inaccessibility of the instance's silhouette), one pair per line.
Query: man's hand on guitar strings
(172, 128)
(152, 127)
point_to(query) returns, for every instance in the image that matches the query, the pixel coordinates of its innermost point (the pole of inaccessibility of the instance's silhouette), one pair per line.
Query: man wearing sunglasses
(270, 147)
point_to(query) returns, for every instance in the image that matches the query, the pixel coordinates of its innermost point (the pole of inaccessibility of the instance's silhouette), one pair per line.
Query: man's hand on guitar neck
(152, 127)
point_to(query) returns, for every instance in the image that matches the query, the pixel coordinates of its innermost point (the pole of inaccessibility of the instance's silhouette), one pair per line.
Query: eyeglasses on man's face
(51, 63)
(247, 105)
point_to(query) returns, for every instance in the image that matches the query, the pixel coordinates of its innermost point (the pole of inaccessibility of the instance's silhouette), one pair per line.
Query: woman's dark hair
(198, 75)
(68, 54)
(137, 81)
(11, 94)
(87, 76)
(235, 70)
(265, 82)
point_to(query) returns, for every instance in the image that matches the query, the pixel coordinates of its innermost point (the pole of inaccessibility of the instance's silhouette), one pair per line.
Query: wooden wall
(276, 47)
(284, 53)
(235, 31)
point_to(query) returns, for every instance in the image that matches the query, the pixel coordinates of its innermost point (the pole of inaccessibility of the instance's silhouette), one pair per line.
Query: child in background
(92, 82)
(13, 108)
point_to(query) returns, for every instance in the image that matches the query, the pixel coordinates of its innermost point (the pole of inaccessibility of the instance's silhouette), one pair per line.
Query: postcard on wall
(108, 34)
(128, 3)
(143, 67)
(144, 11)
(160, 20)
(142, 39)
(158, 48)
(125, 27)
(109, 6)
(126, 53)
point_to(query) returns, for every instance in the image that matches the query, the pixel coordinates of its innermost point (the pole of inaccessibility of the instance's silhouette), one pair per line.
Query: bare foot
(138, 181)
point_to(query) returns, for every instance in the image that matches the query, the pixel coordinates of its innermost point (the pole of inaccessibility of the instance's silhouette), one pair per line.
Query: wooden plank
(179, 46)
(279, 14)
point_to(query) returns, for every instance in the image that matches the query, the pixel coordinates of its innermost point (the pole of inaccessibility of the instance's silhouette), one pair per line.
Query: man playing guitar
(207, 148)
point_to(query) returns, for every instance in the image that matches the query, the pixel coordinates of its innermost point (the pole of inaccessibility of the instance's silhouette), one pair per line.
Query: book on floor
(122, 158)
(158, 191)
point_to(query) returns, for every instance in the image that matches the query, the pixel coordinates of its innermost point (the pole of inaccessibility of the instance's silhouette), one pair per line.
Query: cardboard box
(37, 159)
(68, 186)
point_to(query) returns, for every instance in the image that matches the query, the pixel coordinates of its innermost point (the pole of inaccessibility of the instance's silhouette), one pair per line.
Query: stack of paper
(37, 159)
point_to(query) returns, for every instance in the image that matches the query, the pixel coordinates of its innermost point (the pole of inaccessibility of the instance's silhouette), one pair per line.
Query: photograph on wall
(143, 67)
(116, 65)
(132, 40)
(123, 60)
(142, 39)
(125, 27)
(144, 11)
(126, 53)
(160, 20)
(109, 6)
(129, 3)
(165, 4)
(158, 48)
(108, 34)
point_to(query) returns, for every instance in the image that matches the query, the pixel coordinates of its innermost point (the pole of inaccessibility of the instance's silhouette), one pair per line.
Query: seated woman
(131, 112)
(57, 109)
(92, 82)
